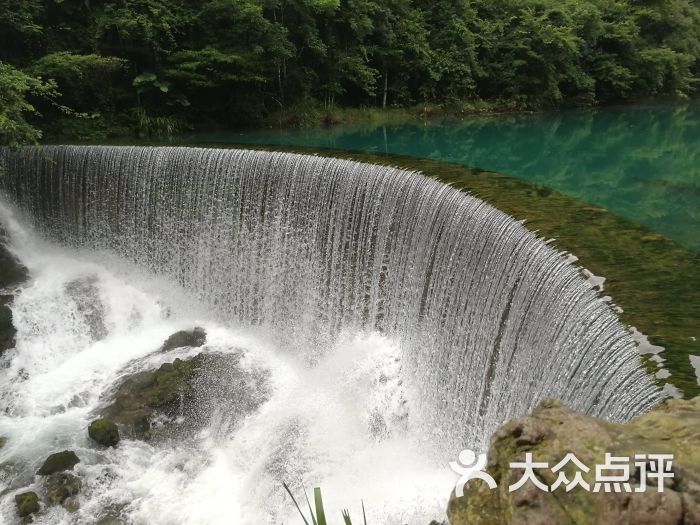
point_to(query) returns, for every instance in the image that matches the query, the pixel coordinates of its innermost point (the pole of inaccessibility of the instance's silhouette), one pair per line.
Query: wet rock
(551, 432)
(57, 462)
(3, 442)
(185, 338)
(61, 486)
(182, 396)
(139, 396)
(7, 329)
(12, 274)
(27, 503)
(104, 432)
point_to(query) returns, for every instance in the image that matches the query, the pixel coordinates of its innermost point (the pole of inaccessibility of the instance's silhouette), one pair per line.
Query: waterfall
(490, 319)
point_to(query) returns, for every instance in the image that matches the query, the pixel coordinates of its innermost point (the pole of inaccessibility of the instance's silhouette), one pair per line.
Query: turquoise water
(641, 163)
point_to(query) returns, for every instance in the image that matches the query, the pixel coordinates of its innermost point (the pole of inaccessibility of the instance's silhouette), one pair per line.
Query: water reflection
(641, 163)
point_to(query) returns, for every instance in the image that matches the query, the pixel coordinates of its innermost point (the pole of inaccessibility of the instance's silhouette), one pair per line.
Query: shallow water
(642, 163)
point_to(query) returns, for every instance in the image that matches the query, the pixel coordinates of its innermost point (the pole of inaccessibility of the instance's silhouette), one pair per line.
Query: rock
(139, 396)
(3, 442)
(27, 503)
(182, 396)
(59, 461)
(551, 432)
(104, 432)
(185, 338)
(61, 486)
(12, 274)
(7, 329)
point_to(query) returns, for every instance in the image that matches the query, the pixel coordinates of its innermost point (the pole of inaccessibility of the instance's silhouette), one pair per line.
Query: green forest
(100, 68)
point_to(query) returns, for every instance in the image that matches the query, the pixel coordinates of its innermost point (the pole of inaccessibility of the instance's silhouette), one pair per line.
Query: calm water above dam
(641, 163)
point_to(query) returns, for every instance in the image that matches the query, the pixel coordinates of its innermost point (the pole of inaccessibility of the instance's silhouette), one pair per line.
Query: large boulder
(104, 431)
(185, 338)
(27, 503)
(552, 431)
(58, 462)
(141, 395)
(183, 395)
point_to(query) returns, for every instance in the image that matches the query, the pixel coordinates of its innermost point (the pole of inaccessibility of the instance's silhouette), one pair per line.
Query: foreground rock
(183, 395)
(185, 338)
(58, 462)
(551, 432)
(27, 503)
(104, 432)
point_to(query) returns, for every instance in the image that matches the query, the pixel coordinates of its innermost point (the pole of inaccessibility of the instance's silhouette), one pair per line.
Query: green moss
(104, 432)
(27, 503)
(58, 462)
(139, 396)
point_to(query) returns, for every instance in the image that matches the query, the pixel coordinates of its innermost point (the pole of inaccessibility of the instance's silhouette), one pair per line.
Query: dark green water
(640, 163)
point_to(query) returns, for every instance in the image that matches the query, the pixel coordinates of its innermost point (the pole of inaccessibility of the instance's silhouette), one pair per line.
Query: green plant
(319, 518)
(154, 126)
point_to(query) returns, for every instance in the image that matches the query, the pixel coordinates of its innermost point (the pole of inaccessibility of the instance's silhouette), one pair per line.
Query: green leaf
(320, 512)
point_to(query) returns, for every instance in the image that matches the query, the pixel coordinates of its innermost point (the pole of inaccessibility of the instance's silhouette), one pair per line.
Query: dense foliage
(152, 65)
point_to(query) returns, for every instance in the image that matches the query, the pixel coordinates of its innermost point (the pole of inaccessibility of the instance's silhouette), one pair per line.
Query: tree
(15, 87)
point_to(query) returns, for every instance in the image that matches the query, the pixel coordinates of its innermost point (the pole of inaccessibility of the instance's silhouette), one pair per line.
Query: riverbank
(309, 115)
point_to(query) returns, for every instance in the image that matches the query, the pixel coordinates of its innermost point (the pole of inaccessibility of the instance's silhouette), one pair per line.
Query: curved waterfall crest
(490, 318)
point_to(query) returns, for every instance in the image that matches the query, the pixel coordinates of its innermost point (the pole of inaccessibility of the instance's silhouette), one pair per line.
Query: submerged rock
(551, 432)
(183, 395)
(27, 503)
(193, 338)
(58, 462)
(104, 432)
(61, 486)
